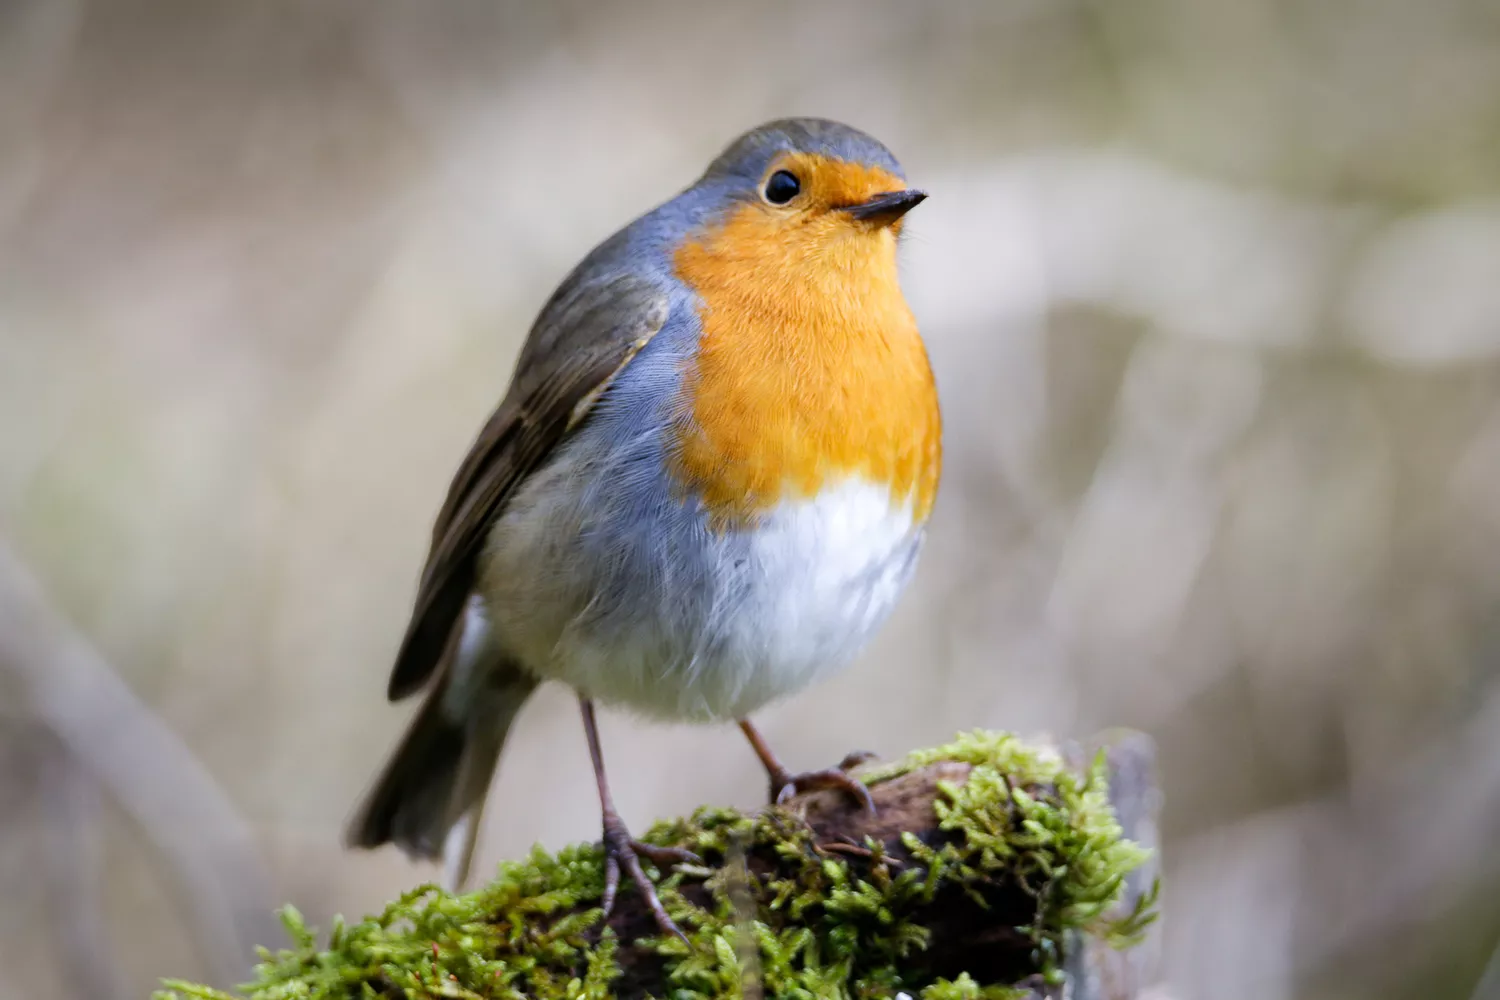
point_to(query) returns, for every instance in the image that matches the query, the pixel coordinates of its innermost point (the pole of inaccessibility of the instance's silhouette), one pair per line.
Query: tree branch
(119, 741)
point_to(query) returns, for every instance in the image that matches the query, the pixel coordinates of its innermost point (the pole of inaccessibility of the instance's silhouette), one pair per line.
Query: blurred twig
(1489, 981)
(71, 804)
(737, 884)
(121, 744)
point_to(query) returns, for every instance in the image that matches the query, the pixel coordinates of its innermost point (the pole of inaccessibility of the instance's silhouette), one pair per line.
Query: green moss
(965, 988)
(1024, 813)
(773, 908)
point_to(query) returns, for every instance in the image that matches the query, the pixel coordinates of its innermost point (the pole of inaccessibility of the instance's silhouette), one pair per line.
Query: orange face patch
(810, 367)
(831, 184)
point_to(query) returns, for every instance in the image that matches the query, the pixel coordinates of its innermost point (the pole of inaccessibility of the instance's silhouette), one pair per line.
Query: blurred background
(1211, 287)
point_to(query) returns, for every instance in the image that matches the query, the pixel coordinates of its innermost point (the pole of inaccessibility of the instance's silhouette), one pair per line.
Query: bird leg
(784, 784)
(621, 850)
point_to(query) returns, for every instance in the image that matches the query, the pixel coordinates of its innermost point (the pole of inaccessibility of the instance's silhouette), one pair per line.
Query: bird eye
(782, 187)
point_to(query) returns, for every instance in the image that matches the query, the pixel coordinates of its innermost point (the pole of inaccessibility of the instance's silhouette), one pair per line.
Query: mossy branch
(993, 868)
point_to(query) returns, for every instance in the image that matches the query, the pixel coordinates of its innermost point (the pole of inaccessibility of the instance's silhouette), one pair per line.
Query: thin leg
(784, 784)
(620, 849)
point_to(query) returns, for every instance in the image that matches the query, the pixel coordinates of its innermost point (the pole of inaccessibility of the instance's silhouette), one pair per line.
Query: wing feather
(585, 336)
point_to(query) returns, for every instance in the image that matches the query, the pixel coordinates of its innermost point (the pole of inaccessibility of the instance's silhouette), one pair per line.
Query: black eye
(782, 187)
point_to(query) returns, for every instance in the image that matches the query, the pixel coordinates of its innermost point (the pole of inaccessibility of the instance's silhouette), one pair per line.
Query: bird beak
(884, 209)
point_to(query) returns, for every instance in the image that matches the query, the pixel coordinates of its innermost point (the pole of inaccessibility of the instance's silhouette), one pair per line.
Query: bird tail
(430, 798)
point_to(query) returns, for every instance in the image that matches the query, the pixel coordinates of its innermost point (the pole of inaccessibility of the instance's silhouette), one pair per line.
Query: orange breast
(810, 368)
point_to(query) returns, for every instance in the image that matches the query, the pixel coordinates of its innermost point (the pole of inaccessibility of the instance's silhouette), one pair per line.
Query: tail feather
(430, 798)
(415, 787)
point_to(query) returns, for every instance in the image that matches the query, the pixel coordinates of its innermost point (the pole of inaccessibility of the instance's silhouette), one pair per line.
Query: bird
(704, 489)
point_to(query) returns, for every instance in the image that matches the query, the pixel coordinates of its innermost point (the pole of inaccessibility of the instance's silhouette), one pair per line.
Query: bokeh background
(1211, 287)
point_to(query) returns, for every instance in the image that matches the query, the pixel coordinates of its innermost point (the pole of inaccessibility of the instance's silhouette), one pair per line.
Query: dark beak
(884, 209)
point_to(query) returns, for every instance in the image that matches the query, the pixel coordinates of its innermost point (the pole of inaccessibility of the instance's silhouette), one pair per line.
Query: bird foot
(785, 785)
(622, 851)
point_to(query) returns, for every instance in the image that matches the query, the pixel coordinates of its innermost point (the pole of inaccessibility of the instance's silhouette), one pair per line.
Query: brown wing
(585, 336)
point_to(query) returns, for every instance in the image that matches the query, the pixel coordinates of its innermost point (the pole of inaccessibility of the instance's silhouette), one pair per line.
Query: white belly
(609, 584)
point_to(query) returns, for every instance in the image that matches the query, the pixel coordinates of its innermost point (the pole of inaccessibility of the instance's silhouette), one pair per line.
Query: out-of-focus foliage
(1210, 287)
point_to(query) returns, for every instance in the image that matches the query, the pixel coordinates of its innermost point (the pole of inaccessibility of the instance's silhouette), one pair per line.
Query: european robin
(705, 487)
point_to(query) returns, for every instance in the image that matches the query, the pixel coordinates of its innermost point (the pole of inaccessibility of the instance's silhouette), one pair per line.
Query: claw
(621, 851)
(611, 880)
(665, 857)
(784, 786)
(854, 758)
(858, 851)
